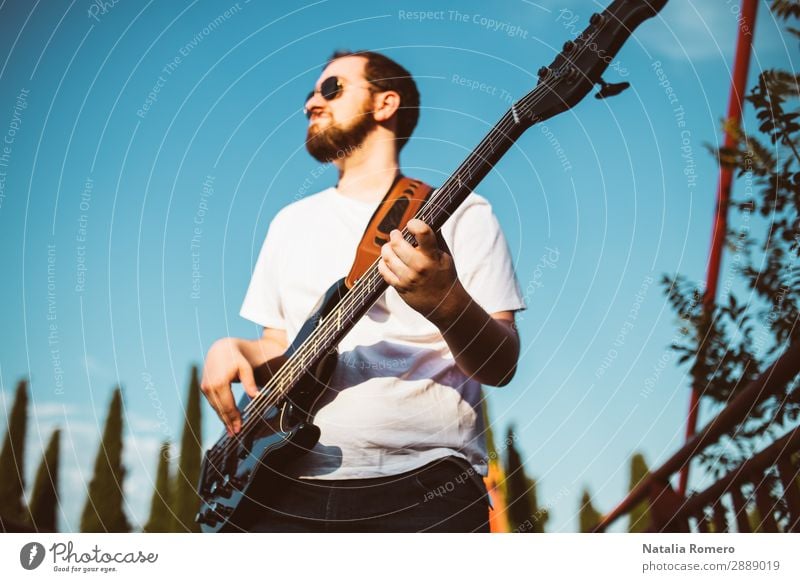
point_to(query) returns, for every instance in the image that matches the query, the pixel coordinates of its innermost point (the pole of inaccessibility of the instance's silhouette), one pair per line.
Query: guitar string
(372, 279)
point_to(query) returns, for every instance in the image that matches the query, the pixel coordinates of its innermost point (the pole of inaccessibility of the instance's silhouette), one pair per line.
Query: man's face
(338, 126)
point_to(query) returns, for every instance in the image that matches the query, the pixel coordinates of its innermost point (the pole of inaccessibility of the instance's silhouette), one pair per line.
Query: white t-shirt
(397, 400)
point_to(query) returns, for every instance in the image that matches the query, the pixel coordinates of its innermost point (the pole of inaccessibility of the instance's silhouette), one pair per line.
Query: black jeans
(446, 495)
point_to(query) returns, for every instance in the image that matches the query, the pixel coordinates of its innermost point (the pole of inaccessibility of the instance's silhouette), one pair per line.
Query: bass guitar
(277, 424)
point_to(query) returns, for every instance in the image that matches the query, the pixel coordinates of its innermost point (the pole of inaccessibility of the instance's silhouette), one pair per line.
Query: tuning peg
(224, 489)
(610, 89)
(234, 482)
(207, 517)
(220, 511)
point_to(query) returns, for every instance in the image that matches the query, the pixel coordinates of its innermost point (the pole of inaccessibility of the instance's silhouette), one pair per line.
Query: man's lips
(317, 117)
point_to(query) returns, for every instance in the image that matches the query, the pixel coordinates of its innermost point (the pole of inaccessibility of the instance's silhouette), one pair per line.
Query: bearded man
(402, 444)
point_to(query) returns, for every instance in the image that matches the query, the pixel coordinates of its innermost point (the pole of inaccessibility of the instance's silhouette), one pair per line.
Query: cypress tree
(12, 455)
(519, 509)
(44, 497)
(589, 516)
(185, 500)
(639, 515)
(540, 515)
(160, 519)
(524, 516)
(103, 511)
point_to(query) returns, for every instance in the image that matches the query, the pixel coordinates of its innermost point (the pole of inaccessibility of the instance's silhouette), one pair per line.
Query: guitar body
(236, 479)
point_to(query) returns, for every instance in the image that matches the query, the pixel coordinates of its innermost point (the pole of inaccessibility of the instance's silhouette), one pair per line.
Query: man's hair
(387, 75)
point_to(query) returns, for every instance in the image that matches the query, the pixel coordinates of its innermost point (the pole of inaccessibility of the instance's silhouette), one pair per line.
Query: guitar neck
(444, 201)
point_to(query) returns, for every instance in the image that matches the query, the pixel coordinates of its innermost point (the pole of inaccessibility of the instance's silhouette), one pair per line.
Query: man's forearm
(485, 348)
(258, 352)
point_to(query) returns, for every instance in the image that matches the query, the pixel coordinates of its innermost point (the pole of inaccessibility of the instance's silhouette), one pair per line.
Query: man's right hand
(251, 362)
(225, 364)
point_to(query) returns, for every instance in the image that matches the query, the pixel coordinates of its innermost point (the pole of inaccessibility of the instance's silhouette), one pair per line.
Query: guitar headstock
(582, 61)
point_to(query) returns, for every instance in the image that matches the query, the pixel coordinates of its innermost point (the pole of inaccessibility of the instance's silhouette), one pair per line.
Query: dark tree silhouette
(639, 516)
(103, 511)
(524, 516)
(160, 519)
(185, 500)
(588, 515)
(12, 456)
(44, 496)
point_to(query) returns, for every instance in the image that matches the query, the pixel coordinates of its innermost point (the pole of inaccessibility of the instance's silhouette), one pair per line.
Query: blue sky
(152, 143)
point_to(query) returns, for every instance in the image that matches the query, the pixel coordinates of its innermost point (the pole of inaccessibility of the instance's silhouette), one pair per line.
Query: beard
(333, 142)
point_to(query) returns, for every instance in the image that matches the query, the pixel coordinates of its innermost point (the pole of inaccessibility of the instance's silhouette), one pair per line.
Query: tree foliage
(12, 456)
(589, 517)
(731, 344)
(104, 511)
(160, 519)
(524, 514)
(786, 8)
(639, 517)
(185, 499)
(44, 496)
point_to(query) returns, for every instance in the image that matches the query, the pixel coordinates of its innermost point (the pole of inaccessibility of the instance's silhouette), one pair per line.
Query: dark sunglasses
(330, 89)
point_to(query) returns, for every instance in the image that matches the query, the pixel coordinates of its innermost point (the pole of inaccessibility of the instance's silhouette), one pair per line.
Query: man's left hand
(424, 276)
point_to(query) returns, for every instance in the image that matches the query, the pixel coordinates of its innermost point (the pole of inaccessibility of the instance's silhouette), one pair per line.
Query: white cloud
(44, 410)
(150, 425)
(98, 369)
(693, 30)
(6, 402)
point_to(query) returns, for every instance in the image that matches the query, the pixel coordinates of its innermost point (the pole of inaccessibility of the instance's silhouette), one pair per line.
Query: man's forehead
(350, 68)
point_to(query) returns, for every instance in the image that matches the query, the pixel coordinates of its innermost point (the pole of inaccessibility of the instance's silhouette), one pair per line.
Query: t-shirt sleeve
(262, 303)
(483, 260)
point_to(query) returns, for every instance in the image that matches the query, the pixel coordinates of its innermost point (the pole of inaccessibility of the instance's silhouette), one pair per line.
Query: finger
(403, 249)
(426, 238)
(387, 274)
(396, 265)
(222, 401)
(247, 378)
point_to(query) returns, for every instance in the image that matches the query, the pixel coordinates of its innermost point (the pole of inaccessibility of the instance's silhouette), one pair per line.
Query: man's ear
(386, 104)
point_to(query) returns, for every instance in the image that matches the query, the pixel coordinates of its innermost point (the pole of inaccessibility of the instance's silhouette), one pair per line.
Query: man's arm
(233, 359)
(484, 346)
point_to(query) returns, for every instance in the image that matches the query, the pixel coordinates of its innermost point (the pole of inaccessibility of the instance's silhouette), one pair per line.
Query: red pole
(746, 21)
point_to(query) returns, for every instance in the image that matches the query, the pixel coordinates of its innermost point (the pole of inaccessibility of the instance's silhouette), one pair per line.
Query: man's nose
(315, 101)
